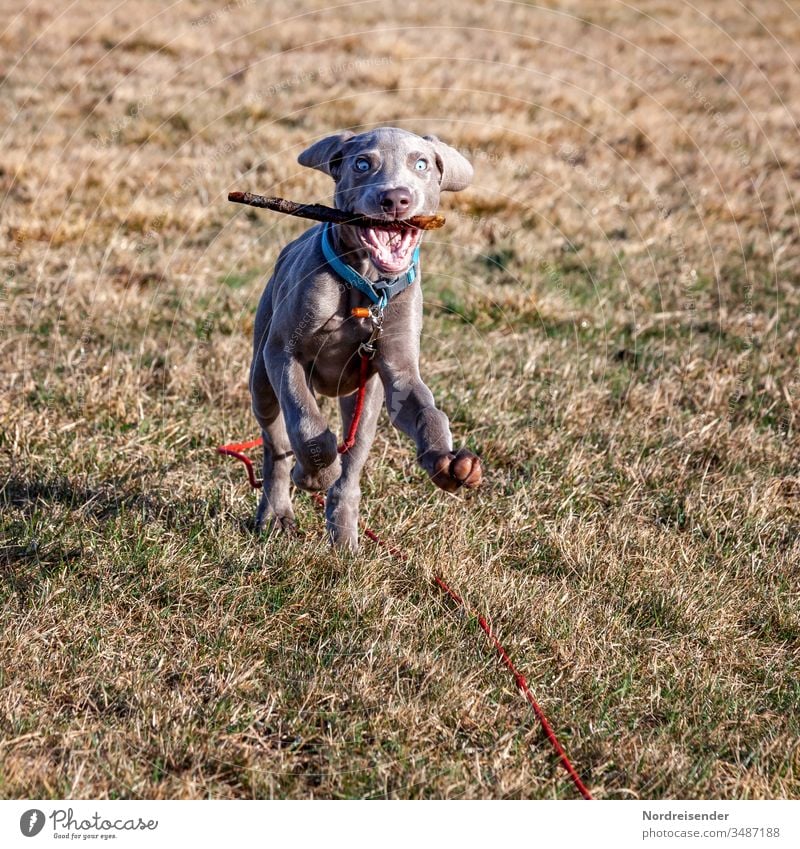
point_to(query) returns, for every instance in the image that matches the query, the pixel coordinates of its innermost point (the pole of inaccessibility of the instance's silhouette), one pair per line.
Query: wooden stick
(318, 212)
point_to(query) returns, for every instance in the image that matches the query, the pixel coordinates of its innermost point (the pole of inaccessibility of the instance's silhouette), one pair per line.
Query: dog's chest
(332, 356)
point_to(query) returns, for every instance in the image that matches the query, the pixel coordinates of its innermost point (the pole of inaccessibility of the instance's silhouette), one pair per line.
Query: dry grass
(613, 321)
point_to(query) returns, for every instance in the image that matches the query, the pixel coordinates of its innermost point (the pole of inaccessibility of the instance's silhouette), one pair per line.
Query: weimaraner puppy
(307, 339)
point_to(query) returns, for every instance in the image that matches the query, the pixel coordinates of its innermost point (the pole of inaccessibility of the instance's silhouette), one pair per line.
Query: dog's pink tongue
(387, 246)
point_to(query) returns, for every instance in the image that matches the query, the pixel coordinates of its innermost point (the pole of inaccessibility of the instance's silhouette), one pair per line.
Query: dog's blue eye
(421, 165)
(361, 164)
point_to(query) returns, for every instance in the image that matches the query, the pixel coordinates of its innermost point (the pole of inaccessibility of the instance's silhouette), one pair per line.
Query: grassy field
(612, 322)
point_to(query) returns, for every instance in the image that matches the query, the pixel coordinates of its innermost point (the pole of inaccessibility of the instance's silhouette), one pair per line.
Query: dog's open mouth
(390, 249)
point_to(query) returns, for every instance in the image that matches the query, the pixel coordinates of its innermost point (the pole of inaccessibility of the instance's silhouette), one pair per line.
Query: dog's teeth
(390, 246)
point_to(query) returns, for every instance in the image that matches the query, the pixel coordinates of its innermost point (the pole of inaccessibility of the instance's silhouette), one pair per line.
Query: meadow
(612, 321)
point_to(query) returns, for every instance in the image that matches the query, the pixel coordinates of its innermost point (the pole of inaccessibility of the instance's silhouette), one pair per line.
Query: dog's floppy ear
(325, 155)
(455, 169)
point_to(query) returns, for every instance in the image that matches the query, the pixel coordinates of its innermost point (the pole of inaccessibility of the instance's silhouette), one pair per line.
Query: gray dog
(307, 339)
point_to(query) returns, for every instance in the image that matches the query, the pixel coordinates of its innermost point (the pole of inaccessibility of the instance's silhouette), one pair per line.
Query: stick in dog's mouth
(319, 212)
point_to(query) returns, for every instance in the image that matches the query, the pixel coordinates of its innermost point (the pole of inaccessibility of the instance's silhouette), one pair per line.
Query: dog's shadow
(25, 502)
(31, 552)
(101, 502)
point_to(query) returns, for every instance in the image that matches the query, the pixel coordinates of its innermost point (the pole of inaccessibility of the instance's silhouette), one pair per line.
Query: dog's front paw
(452, 471)
(316, 480)
(318, 465)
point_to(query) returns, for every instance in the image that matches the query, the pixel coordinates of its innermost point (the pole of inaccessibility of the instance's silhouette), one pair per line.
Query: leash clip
(376, 316)
(369, 348)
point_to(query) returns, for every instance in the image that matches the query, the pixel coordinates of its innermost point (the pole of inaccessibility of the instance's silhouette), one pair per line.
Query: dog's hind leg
(275, 507)
(341, 506)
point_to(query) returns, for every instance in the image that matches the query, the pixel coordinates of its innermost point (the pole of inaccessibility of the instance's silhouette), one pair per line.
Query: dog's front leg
(412, 409)
(317, 463)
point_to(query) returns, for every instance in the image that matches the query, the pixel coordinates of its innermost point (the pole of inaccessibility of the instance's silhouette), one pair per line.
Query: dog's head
(391, 174)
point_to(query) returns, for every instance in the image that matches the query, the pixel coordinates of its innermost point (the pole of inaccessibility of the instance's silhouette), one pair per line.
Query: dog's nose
(395, 201)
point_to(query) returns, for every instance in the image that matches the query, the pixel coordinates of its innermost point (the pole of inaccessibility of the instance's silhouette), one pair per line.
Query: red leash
(522, 684)
(237, 449)
(350, 439)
